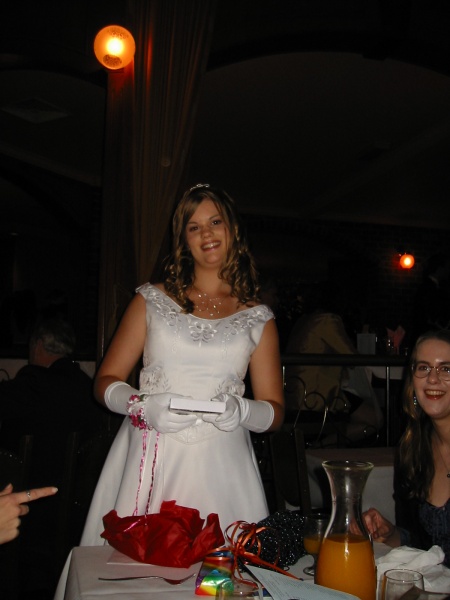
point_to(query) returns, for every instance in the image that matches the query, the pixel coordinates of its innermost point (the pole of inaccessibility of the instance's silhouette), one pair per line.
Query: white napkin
(436, 577)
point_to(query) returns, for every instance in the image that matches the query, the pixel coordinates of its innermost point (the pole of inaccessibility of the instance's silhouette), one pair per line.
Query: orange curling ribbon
(237, 545)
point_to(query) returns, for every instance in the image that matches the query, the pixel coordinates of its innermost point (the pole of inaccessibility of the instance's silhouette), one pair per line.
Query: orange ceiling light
(406, 261)
(114, 47)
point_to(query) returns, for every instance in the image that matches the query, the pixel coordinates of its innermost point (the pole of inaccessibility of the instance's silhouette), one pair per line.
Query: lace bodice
(194, 356)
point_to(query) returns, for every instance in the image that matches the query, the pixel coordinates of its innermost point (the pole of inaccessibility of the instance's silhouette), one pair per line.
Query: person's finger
(6, 490)
(368, 519)
(24, 509)
(35, 494)
(10, 529)
(10, 533)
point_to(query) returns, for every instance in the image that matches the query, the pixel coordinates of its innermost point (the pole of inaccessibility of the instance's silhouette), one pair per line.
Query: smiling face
(432, 391)
(207, 235)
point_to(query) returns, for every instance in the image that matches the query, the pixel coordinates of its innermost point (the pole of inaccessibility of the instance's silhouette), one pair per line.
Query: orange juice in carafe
(346, 563)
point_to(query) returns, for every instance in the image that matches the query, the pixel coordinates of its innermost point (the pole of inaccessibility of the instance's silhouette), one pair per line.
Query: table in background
(383, 364)
(379, 489)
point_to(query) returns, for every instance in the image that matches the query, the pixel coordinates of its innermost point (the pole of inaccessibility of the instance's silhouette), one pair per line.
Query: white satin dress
(200, 467)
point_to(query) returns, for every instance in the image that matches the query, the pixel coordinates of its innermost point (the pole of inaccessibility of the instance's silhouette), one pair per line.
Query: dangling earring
(415, 401)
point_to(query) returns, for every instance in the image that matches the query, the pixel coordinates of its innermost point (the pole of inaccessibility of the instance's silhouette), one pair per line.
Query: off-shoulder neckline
(203, 318)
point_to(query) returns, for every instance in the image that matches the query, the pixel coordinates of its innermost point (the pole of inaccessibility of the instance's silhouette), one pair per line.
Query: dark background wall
(361, 259)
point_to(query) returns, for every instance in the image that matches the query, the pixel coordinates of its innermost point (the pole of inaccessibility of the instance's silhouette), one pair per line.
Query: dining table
(89, 570)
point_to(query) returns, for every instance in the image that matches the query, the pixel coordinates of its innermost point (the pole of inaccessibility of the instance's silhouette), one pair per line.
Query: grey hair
(56, 334)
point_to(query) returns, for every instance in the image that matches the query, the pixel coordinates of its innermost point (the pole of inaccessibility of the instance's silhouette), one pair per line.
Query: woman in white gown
(198, 333)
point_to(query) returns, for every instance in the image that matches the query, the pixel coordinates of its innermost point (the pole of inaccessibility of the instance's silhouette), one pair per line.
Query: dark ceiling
(320, 109)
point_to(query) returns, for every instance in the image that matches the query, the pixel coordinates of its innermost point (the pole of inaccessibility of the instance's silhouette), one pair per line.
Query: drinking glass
(314, 530)
(235, 589)
(396, 582)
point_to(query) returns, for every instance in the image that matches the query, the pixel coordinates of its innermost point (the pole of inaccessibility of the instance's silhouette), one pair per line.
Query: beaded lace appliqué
(201, 331)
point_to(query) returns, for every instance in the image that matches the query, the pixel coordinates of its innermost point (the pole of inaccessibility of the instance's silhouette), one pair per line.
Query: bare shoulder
(135, 310)
(250, 304)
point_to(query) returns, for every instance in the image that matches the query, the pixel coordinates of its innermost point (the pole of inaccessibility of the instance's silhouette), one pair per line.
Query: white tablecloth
(378, 491)
(86, 564)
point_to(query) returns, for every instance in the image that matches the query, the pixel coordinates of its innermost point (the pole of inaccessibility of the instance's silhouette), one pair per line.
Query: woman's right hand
(380, 528)
(160, 417)
(14, 505)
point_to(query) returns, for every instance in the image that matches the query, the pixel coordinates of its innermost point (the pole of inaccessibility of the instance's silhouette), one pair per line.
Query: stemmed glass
(314, 530)
(396, 582)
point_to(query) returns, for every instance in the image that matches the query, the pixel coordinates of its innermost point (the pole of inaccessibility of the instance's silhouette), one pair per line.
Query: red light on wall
(407, 261)
(114, 47)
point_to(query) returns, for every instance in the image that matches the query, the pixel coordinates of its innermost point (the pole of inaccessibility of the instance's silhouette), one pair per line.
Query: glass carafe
(346, 561)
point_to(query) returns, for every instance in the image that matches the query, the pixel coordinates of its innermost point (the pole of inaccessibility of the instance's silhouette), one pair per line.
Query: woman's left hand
(230, 419)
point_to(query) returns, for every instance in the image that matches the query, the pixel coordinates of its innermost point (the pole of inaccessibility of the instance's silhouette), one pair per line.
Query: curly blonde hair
(415, 463)
(239, 269)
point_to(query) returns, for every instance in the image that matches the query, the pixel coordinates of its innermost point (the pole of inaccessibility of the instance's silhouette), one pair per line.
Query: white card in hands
(185, 405)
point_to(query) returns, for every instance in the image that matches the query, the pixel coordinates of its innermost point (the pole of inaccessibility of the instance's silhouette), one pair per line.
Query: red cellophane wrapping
(174, 537)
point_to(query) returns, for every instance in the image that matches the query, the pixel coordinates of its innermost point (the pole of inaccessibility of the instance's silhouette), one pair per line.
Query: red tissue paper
(174, 537)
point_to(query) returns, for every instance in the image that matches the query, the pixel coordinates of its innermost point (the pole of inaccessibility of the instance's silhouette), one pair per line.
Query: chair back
(314, 414)
(83, 464)
(290, 473)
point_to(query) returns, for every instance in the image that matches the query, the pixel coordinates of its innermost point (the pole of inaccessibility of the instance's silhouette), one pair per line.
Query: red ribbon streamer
(239, 540)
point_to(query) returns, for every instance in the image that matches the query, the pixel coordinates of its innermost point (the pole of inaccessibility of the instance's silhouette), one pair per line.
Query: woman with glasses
(422, 473)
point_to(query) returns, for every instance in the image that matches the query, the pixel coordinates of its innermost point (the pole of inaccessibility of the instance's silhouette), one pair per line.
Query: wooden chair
(261, 447)
(83, 464)
(289, 468)
(14, 468)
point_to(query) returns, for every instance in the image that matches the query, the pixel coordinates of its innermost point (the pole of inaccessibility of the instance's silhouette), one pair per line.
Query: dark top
(424, 525)
(436, 521)
(48, 403)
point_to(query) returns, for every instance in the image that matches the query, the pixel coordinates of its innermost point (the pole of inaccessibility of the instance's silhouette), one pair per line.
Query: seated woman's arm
(383, 530)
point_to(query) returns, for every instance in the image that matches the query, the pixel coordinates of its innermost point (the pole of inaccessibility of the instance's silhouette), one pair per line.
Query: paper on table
(118, 558)
(281, 587)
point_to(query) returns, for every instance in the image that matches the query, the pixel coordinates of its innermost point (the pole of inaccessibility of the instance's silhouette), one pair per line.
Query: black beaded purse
(281, 539)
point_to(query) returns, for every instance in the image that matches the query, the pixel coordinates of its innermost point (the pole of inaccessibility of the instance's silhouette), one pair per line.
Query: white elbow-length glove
(155, 407)
(255, 415)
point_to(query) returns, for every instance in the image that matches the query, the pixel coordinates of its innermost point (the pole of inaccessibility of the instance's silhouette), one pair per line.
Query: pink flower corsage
(135, 409)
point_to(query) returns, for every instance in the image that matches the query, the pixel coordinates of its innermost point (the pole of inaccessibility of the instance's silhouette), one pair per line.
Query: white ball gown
(200, 467)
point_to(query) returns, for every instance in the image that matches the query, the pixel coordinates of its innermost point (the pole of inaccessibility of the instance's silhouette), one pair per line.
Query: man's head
(51, 340)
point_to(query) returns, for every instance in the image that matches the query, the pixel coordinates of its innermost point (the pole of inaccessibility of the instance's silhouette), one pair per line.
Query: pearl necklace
(442, 457)
(212, 306)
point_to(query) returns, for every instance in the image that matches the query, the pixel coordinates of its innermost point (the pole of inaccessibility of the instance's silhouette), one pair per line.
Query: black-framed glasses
(422, 369)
